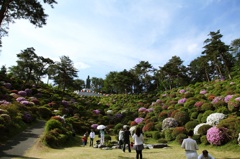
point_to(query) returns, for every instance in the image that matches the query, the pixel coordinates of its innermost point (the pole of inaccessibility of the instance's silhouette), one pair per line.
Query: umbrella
(99, 127)
(94, 126)
(132, 129)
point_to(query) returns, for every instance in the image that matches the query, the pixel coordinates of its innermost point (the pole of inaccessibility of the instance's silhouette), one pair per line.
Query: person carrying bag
(138, 142)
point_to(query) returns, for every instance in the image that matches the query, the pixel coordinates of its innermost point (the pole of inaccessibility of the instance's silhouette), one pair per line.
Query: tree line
(217, 61)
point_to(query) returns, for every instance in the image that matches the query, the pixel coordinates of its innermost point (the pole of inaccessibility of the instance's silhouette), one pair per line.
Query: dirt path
(22, 142)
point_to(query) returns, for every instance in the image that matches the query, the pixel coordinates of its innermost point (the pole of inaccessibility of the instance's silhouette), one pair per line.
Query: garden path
(16, 146)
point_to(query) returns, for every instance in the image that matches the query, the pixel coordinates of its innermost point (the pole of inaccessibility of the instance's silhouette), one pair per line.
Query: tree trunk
(4, 9)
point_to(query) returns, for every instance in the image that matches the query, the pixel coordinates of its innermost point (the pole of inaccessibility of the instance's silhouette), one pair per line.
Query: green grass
(174, 151)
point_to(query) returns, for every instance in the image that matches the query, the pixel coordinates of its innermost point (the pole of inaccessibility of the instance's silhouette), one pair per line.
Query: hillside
(211, 109)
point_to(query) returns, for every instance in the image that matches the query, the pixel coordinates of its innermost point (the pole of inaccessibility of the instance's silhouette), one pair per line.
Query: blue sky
(101, 36)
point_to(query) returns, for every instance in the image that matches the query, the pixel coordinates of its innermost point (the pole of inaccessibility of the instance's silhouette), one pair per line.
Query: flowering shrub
(65, 103)
(158, 101)
(4, 102)
(109, 112)
(94, 126)
(20, 99)
(27, 117)
(198, 105)
(169, 123)
(234, 104)
(28, 91)
(25, 102)
(227, 98)
(148, 127)
(181, 91)
(178, 130)
(142, 109)
(149, 110)
(213, 119)
(181, 117)
(217, 99)
(203, 91)
(216, 136)
(196, 129)
(182, 101)
(6, 118)
(211, 97)
(8, 85)
(22, 93)
(162, 115)
(51, 104)
(97, 112)
(118, 115)
(138, 120)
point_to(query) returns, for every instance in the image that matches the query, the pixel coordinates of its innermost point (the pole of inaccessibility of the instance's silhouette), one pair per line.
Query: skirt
(138, 147)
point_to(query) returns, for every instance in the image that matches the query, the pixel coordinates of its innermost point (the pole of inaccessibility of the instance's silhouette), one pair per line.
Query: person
(102, 135)
(120, 137)
(138, 142)
(84, 140)
(190, 146)
(205, 155)
(92, 136)
(126, 139)
(86, 134)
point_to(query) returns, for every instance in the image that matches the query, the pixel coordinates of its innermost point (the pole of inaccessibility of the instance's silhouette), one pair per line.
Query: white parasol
(99, 127)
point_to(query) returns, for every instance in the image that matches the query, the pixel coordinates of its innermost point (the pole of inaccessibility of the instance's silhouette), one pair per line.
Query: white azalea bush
(197, 127)
(169, 123)
(215, 118)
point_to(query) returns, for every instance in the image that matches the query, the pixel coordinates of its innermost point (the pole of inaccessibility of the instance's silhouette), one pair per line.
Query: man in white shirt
(92, 136)
(205, 155)
(190, 146)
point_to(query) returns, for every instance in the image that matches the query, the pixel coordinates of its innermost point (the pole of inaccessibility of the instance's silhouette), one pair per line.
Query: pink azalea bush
(216, 136)
(142, 109)
(182, 101)
(227, 98)
(217, 99)
(181, 91)
(203, 91)
(138, 120)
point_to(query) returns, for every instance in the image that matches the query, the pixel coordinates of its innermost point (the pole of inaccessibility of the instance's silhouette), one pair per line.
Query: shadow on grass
(8, 156)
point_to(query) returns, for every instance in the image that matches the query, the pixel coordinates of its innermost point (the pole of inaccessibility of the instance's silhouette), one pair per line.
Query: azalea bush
(214, 119)
(216, 136)
(169, 123)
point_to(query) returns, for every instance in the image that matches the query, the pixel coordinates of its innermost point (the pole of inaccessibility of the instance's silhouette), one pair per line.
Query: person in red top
(84, 140)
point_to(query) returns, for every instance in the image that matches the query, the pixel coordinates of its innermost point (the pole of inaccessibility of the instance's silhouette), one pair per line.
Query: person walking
(205, 155)
(126, 139)
(92, 136)
(120, 138)
(190, 146)
(102, 135)
(138, 142)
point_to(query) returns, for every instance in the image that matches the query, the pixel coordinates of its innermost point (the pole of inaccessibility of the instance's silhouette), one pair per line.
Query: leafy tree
(218, 54)
(30, 67)
(173, 74)
(64, 72)
(88, 81)
(97, 84)
(199, 70)
(109, 83)
(144, 72)
(32, 10)
(3, 72)
(235, 50)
